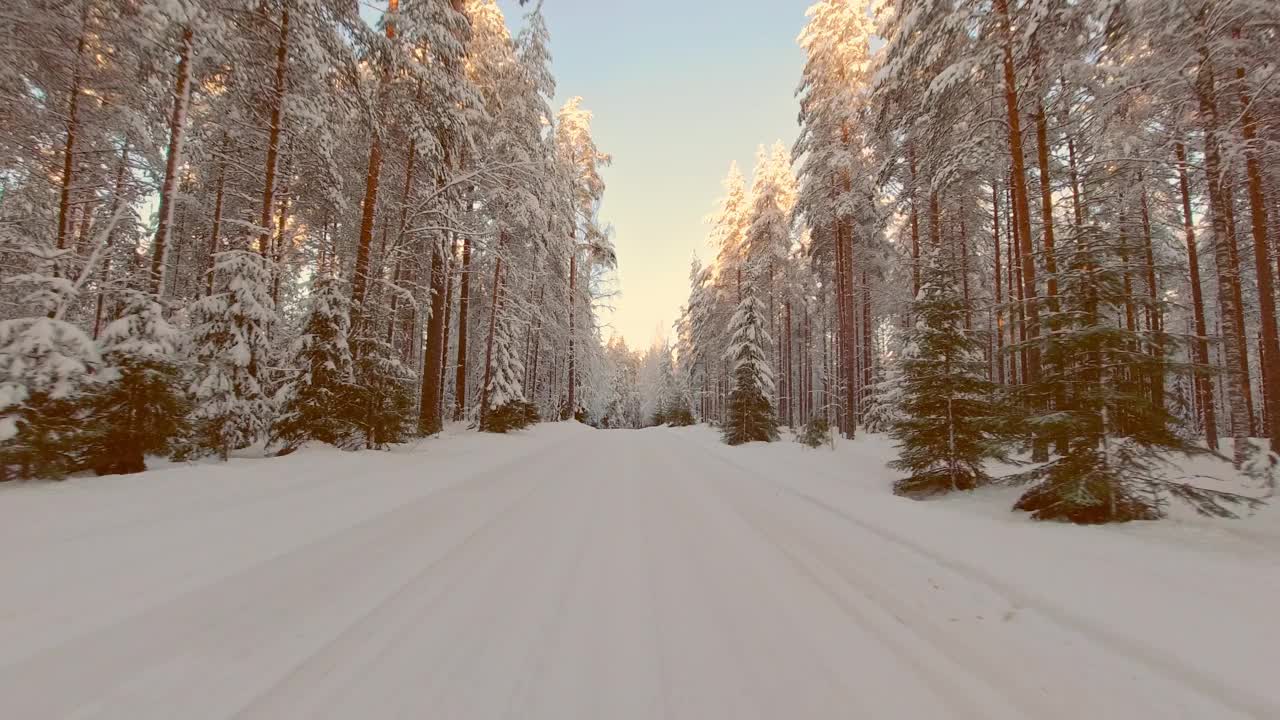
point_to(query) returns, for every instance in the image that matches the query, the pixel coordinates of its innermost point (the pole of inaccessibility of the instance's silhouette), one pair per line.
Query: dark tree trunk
(1204, 387)
(169, 189)
(429, 420)
(273, 132)
(464, 303)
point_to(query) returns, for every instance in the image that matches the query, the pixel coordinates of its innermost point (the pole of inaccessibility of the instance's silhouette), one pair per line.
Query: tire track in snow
(1241, 700)
(407, 604)
(119, 662)
(878, 621)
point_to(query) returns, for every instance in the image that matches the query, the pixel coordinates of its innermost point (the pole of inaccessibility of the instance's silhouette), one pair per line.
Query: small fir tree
(1114, 441)
(386, 385)
(750, 416)
(504, 407)
(231, 333)
(945, 434)
(319, 403)
(816, 433)
(46, 368)
(142, 408)
(884, 401)
(673, 403)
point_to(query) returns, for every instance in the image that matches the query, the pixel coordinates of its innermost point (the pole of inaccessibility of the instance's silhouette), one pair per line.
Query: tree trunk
(846, 351)
(278, 253)
(169, 190)
(915, 224)
(493, 324)
(1233, 249)
(572, 410)
(73, 127)
(429, 420)
(273, 133)
(1017, 264)
(399, 249)
(215, 235)
(1155, 318)
(1018, 182)
(450, 259)
(1204, 387)
(464, 302)
(117, 199)
(1227, 275)
(1046, 206)
(996, 286)
(1269, 344)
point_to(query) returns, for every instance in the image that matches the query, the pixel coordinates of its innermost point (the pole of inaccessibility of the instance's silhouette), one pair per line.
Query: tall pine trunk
(1022, 211)
(1155, 318)
(464, 303)
(1204, 386)
(117, 200)
(996, 286)
(215, 233)
(169, 189)
(273, 132)
(571, 410)
(1227, 273)
(73, 127)
(429, 421)
(1269, 344)
(493, 325)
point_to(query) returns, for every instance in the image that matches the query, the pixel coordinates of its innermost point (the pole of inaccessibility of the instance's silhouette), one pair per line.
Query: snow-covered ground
(566, 573)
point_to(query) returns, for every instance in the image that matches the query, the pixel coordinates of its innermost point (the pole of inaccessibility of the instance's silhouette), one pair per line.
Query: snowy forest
(1037, 232)
(226, 223)
(1025, 234)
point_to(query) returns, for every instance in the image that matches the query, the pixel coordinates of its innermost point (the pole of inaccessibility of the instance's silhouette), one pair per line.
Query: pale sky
(679, 89)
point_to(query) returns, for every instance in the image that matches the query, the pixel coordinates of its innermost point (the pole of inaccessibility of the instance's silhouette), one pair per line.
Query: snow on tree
(504, 407)
(230, 338)
(750, 415)
(320, 401)
(884, 402)
(1117, 444)
(386, 385)
(950, 424)
(141, 408)
(46, 368)
(671, 403)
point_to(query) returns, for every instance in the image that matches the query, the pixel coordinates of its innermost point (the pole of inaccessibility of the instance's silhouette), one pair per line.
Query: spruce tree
(884, 401)
(947, 431)
(231, 332)
(1115, 442)
(46, 368)
(504, 407)
(320, 401)
(386, 390)
(750, 416)
(672, 402)
(141, 408)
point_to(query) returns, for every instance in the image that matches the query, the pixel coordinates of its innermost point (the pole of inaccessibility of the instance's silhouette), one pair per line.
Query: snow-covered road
(567, 573)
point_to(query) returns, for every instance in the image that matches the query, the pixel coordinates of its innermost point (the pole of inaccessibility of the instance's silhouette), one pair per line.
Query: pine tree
(504, 407)
(949, 426)
(141, 409)
(386, 387)
(46, 368)
(230, 339)
(750, 416)
(672, 407)
(321, 400)
(1117, 441)
(883, 408)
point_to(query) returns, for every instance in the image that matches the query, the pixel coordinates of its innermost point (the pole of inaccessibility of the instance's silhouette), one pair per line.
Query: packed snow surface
(568, 573)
